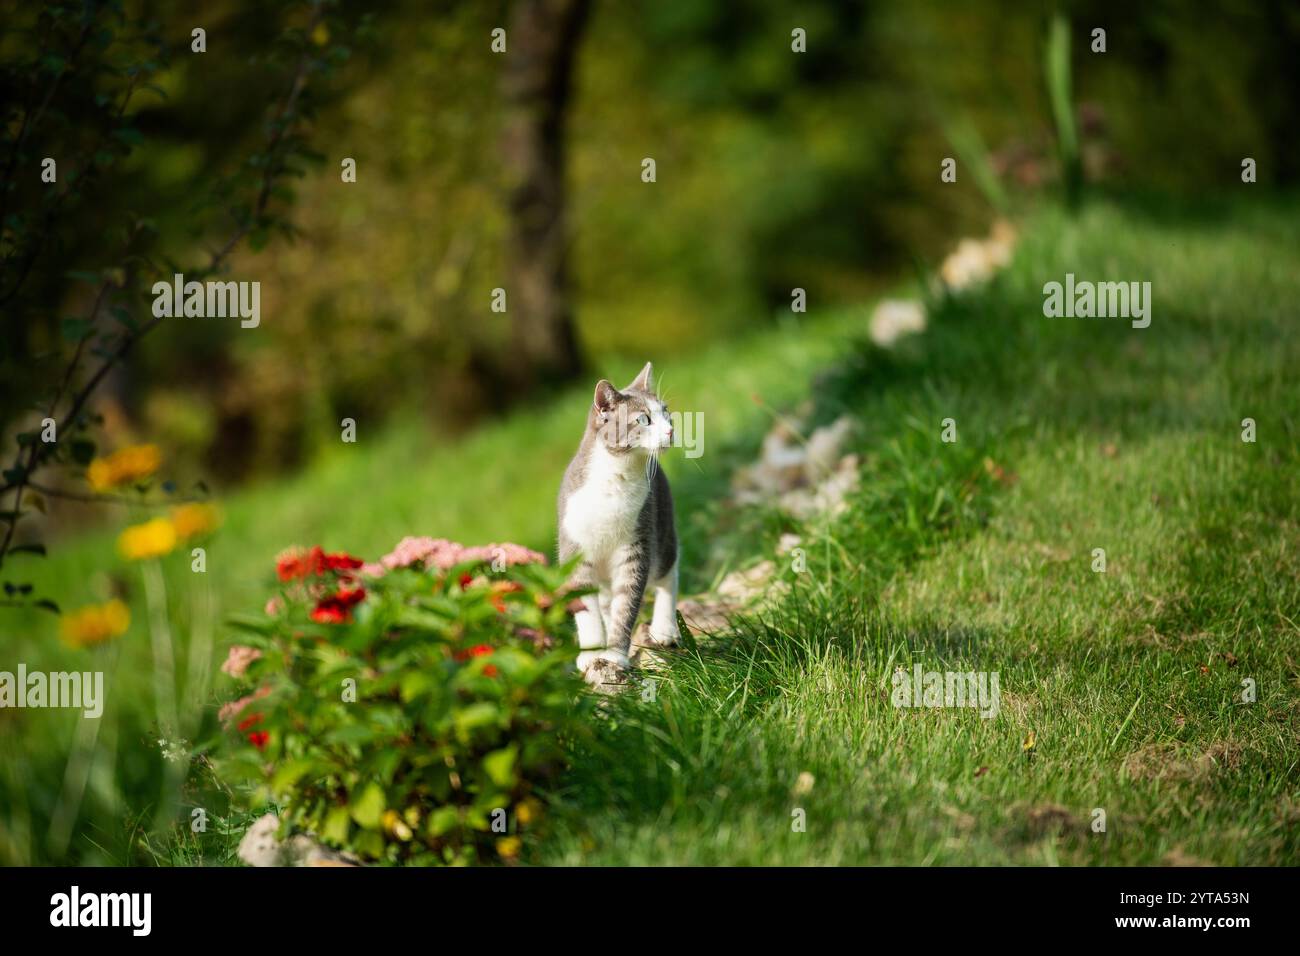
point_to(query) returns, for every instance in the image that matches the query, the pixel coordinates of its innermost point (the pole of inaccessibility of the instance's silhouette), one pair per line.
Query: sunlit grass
(1073, 435)
(1129, 681)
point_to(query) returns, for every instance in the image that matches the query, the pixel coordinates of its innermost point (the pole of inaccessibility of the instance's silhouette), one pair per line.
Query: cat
(616, 511)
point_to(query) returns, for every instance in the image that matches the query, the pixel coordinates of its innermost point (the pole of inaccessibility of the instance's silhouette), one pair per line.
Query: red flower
(341, 561)
(329, 614)
(501, 588)
(465, 580)
(490, 670)
(259, 739)
(478, 650)
(250, 721)
(337, 608)
(302, 564)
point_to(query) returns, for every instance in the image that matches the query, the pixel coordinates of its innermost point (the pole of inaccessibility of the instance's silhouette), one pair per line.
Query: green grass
(498, 484)
(1130, 681)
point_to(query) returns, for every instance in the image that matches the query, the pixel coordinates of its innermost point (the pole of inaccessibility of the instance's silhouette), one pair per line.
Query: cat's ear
(606, 396)
(642, 381)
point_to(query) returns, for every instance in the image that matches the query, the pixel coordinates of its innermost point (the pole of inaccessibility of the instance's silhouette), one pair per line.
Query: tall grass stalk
(1056, 68)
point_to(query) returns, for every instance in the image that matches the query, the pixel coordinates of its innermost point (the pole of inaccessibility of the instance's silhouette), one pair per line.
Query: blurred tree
(777, 169)
(543, 39)
(77, 74)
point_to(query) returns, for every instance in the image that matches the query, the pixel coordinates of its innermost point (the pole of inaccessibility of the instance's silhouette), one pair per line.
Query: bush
(411, 711)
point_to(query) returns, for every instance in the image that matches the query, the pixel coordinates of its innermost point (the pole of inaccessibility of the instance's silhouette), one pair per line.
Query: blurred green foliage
(775, 170)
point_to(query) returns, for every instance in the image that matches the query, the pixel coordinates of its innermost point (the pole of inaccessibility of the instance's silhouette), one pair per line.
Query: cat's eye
(643, 420)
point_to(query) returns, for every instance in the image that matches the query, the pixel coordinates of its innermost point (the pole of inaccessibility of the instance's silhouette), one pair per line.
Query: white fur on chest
(600, 517)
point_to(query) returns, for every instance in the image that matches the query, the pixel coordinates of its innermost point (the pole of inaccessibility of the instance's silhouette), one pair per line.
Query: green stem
(77, 774)
(199, 661)
(164, 664)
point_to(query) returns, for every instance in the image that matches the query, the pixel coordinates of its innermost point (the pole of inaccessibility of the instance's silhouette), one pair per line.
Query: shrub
(410, 711)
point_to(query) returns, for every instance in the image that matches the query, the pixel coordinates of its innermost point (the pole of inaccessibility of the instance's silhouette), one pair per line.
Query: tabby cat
(617, 513)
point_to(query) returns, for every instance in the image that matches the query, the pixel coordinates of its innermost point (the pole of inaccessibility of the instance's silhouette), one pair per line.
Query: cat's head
(633, 419)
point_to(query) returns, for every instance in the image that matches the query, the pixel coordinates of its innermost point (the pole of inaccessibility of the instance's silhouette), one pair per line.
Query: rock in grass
(894, 318)
(261, 847)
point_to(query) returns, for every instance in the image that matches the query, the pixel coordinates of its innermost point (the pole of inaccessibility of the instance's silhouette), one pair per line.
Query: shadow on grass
(722, 719)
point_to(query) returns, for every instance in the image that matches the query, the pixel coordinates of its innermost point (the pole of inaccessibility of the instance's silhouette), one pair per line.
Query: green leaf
(290, 773)
(424, 619)
(368, 808)
(253, 623)
(74, 329)
(337, 825)
(370, 843)
(37, 549)
(415, 683)
(481, 714)
(441, 821)
(500, 765)
(353, 734)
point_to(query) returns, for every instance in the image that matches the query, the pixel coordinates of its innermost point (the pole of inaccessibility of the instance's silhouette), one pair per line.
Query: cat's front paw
(662, 638)
(606, 671)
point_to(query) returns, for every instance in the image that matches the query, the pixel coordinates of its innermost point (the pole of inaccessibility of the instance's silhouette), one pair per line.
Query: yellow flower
(95, 623)
(321, 35)
(527, 811)
(509, 847)
(152, 539)
(194, 519)
(129, 464)
(395, 825)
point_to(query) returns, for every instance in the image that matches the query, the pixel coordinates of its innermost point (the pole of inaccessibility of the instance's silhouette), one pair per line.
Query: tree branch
(38, 452)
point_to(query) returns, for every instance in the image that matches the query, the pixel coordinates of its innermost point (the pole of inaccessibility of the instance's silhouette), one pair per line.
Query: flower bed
(408, 711)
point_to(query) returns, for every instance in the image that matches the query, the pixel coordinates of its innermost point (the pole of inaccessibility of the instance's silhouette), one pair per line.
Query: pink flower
(231, 710)
(442, 554)
(238, 658)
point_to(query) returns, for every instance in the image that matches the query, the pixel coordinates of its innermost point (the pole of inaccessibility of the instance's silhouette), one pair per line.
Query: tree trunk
(542, 41)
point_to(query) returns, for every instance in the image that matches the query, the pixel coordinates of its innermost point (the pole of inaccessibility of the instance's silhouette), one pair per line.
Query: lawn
(1121, 691)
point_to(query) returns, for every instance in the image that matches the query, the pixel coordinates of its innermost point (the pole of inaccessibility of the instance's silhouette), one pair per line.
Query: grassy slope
(936, 563)
(1129, 680)
(498, 484)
